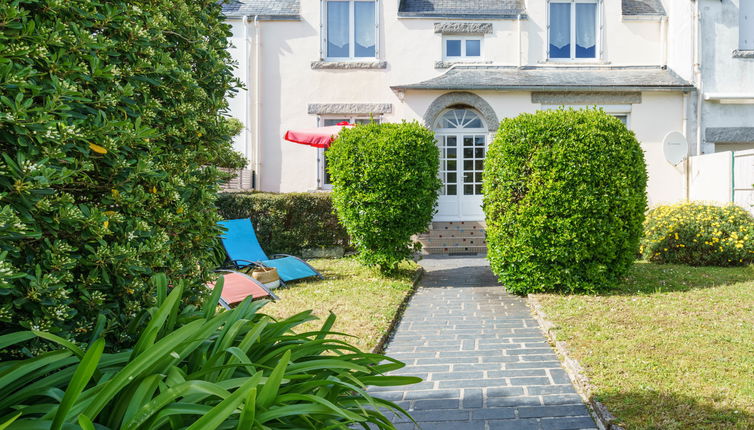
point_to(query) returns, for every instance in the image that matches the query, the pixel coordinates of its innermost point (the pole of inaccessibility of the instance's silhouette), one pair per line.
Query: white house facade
(461, 66)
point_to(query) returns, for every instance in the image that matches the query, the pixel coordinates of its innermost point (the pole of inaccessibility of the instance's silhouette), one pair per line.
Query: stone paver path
(485, 363)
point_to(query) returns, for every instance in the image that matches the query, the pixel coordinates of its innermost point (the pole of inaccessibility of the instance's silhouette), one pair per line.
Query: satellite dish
(675, 147)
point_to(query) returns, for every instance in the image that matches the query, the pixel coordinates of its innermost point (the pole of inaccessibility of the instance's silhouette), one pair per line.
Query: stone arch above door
(461, 98)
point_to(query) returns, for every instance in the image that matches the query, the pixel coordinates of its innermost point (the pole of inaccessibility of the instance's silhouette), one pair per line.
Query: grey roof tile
(461, 8)
(265, 9)
(643, 7)
(543, 78)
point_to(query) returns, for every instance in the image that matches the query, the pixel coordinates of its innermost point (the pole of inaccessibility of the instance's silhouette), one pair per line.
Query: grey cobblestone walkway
(485, 363)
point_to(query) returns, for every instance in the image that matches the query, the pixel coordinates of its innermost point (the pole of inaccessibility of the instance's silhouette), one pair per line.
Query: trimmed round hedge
(699, 235)
(564, 199)
(385, 184)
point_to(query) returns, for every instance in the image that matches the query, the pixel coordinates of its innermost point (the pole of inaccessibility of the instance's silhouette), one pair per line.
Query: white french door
(462, 137)
(461, 165)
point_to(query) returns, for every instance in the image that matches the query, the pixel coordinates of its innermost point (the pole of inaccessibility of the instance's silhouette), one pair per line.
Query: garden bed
(364, 301)
(672, 347)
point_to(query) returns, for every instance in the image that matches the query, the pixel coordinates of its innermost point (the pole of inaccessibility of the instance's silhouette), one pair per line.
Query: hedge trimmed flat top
(244, 251)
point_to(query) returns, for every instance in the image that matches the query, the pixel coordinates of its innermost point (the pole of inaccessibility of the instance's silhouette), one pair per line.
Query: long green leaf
(270, 389)
(85, 422)
(84, 372)
(384, 381)
(62, 342)
(289, 398)
(14, 338)
(168, 396)
(5, 425)
(13, 375)
(150, 332)
(210, 305)
(329, 322)
(246, 421)
(217, 416)
(142, 395)
(142, 362)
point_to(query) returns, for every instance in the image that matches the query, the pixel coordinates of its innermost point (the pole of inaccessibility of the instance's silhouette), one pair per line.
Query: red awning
(320, 137)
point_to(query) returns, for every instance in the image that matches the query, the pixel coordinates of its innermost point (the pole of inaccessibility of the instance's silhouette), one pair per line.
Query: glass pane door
(473, 164)
(449, 165)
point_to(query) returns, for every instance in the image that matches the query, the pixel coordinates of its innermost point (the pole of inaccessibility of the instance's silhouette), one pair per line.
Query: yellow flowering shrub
(699, 235)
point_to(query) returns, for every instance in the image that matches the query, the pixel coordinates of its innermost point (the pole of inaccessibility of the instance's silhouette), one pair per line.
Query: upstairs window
(573, 29)
(461, 48)
(350, 29)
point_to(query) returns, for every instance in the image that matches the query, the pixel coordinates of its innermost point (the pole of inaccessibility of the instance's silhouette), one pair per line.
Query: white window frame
(321, 151)
(598, 29)
(463, 39)
(351, 34)
(614, 110)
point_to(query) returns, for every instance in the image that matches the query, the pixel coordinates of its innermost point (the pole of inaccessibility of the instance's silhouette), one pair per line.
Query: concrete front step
(455, 250)
(455, 241)
(458, 225)
(454, 237)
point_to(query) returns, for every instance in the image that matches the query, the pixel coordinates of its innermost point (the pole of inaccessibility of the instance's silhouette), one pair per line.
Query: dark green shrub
(699, 235)
(289, 222)
(385, 184)
(110, 114)
(564, 198)
(200, 370)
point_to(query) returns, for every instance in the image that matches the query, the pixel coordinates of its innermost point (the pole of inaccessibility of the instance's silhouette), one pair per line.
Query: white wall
(723, 177)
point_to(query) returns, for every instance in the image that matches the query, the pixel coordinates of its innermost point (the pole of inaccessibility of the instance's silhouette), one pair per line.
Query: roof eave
(264, 17)
(436, 15)
(564, 88)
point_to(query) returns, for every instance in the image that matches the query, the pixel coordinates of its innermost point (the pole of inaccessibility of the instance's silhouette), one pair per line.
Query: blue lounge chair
(243, 250)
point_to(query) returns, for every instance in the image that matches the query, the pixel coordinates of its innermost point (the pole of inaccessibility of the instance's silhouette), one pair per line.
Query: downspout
(247, 57)
(520, 61)
(257, 105)
(686, 161)
(698, 76)
(664, 37)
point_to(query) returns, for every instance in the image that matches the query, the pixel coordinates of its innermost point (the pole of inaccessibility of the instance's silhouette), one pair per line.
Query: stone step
(458, 225)
(454, 250)
(442, 234)
(454, 241)
(454, 238)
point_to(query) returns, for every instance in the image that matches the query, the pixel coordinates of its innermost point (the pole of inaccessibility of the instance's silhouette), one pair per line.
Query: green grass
(670, 348)
(364, 301)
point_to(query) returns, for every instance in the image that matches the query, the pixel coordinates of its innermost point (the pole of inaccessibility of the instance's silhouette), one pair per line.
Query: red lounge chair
(238, 286)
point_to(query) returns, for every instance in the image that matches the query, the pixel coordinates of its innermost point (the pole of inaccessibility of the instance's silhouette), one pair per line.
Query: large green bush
(196, 369)
(287, 223)
(699, 235)
(111, 113)
(564, 198)
(385, 184)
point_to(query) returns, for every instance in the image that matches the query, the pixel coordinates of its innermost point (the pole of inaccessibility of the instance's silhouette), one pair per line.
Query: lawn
(670, 348)
(364, 301)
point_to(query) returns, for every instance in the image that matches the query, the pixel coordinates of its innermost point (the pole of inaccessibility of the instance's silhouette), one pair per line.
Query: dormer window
(573, 29)
(462, 48)
(350, 29)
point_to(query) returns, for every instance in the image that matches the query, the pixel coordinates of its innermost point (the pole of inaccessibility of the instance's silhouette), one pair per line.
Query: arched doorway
(462, 137)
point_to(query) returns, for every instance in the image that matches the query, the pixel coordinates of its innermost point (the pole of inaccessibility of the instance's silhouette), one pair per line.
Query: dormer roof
(266, 10)
(488, 9)
(643, 8)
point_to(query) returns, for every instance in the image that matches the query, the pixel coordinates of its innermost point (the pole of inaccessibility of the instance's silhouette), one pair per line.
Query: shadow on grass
(650, 278)
(668, 411)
